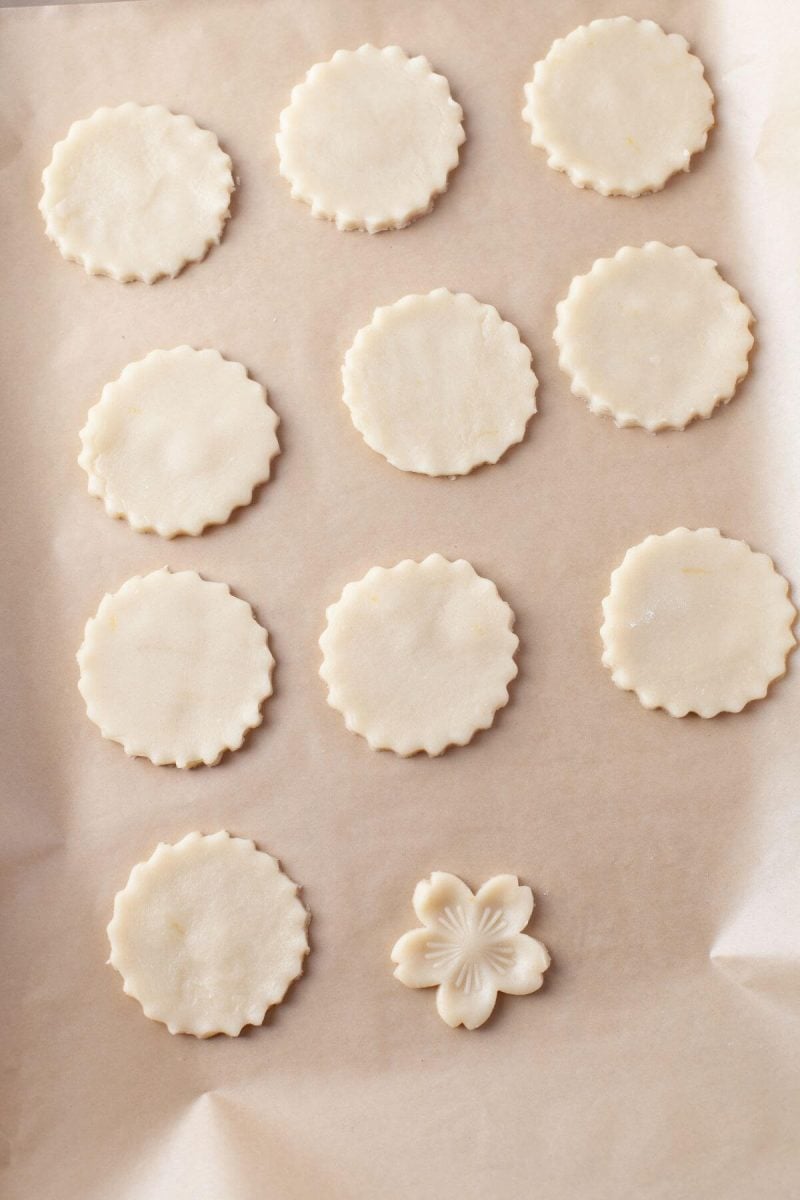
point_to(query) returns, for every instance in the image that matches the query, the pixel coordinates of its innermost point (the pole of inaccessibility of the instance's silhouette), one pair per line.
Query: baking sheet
(660, 1059)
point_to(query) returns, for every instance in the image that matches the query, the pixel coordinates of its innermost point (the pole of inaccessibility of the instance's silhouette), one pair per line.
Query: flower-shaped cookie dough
(471, 946)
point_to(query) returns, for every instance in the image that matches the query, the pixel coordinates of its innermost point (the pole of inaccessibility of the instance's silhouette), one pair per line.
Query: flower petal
(432, 896)
(413, 968)
(469, 1009)
(504, 892)
(524, 975)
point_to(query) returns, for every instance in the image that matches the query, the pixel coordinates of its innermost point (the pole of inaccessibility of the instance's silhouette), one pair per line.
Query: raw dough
(369, 138)
(653, 336)
(471, 946)
(208, 934)
(178, 441)
(619, 105)
(175, 668)
(136, 193)
(419, 656)
(439, 383)
(696, 622)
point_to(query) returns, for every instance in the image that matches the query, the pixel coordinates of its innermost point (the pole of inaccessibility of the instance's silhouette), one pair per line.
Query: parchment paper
(660, 1059)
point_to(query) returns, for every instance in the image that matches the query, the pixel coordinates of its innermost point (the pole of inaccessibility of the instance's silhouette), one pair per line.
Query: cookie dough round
(438, 384)
(136, 193)
(419, 656)
(208, 934)
(619, 105)
(175, 668)
(696, 622)
(369, 138)
(653, 336)
(178, 441)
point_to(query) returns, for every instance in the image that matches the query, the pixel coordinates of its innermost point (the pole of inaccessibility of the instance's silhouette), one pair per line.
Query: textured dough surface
(178, 441)
(653, 336)
(369, 138)
(470, 947)
(438, 384)
(419, 656)
(208, 934)
(136, 193)
(619, 105)
(696, 622)
(175, 668)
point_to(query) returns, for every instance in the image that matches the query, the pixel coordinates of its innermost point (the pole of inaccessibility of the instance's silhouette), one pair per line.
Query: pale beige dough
(419, 656)
(696, 622)
(178, 441)
(175, 668)
(369, 138)
(439, 384)
(471, 946)
(208, 934)
(136, 193)
(619, 105)
(653, 336)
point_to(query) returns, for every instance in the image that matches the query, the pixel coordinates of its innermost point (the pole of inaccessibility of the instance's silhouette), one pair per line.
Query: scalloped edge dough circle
(439, 384)
(175, 668)
(619, 105)
(369, 138)
(696, 622)
(136, 192)
(419, 656)
(208, 934)
(178, 441)
(653, 337)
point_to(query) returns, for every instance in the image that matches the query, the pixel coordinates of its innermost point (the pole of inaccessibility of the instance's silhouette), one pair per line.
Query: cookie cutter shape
(175, 668)
(179, 441)
(369, 138)
(136, 192)
(619, 105)
(439, 384)
(471, 946)
(653, 337)
(208, 934)
(696, 622)
(419, 656)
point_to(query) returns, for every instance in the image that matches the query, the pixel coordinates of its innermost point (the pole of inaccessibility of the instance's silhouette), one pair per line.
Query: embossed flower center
(471, 943)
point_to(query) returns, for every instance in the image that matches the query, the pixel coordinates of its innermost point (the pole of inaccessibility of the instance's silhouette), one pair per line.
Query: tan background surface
(660, 1059)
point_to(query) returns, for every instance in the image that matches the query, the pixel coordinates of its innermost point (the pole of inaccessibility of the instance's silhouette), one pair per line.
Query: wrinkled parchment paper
(660, 1060)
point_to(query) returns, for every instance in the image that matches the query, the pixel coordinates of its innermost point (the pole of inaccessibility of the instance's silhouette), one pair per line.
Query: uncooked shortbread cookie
(175, 668)
(419, 656)
(471, 947)
(619, 105)
(136, 193)
(208, 934)
(653, 336)
(439, 384)
(696, 622)
(369, 138)
(178, 441)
